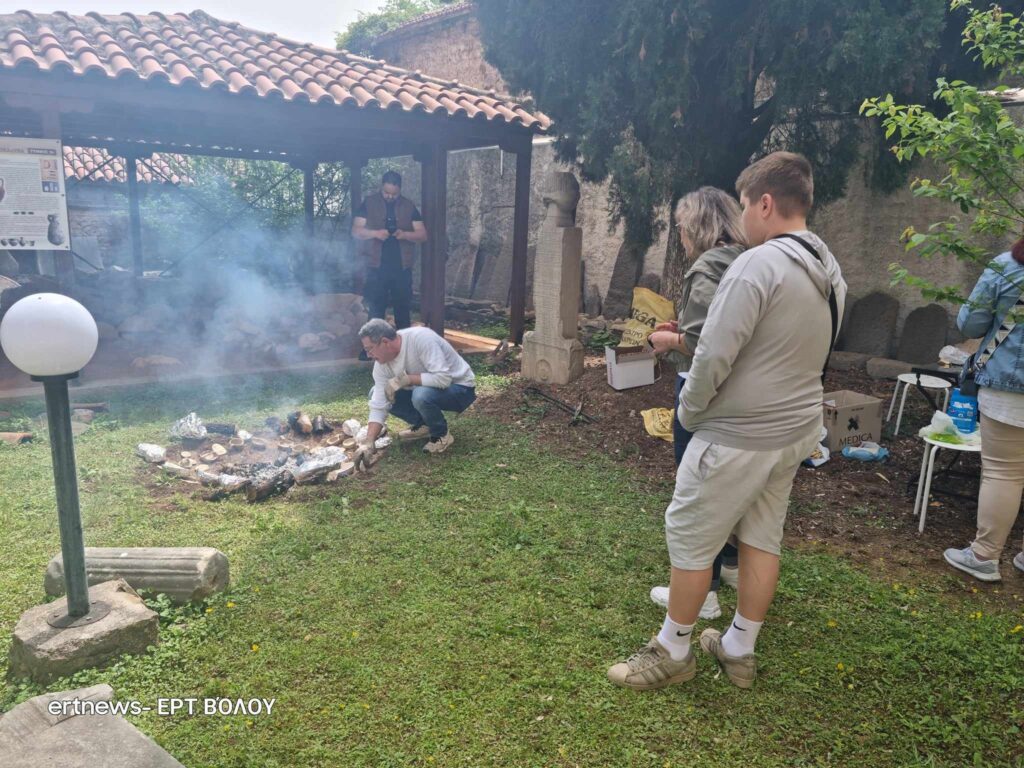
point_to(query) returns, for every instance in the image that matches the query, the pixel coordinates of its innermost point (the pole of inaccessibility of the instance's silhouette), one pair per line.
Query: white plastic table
(924, 481)
(926, 382)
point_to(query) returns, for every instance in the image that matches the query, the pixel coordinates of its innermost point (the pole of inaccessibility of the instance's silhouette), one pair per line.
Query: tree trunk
(675, 263)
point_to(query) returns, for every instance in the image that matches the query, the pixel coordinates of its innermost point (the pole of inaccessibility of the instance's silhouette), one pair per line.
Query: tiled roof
(447, 12)
(198, 51)
(92, 164)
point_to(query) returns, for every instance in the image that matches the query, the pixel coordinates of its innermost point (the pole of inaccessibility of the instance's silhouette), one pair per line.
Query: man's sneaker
(1018, 561)
(731, 576)
(965, 560)
(419, 433)
(741, 670)
(652, 667)
(710, 610)
(439, 444)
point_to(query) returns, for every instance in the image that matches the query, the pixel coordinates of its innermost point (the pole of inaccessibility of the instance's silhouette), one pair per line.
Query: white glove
(398, 382)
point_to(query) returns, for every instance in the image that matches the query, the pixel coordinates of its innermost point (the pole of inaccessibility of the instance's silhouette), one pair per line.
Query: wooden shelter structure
(191, 84)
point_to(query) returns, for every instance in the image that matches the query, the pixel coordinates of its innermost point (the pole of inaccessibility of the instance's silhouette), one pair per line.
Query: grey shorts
(720, 491)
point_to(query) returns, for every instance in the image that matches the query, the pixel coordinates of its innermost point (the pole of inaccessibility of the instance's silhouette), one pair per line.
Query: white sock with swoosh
(676, 638)
(742, 634)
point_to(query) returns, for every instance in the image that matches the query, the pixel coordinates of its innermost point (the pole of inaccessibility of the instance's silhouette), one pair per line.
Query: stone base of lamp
(557, 361)
(42, 652)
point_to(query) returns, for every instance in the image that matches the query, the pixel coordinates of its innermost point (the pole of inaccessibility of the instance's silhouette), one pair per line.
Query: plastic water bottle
(963, 410)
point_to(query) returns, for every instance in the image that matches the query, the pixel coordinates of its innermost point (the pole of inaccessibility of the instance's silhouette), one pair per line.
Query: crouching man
(417, 376)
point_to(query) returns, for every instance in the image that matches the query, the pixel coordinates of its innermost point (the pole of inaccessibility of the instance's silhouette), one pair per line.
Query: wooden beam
(355, 184)
(520, 235)
(308, 178)
(134, 215)
(434, 165)
(159, 113)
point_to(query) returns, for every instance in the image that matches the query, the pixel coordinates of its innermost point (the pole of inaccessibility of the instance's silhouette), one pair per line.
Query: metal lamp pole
(51, 337)
(65, 475)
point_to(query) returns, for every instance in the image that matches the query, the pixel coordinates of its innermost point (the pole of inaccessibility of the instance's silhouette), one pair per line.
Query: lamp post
(51, 337)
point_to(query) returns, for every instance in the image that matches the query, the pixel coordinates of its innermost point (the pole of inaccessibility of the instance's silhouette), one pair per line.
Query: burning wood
(306, 449)
(277, 483)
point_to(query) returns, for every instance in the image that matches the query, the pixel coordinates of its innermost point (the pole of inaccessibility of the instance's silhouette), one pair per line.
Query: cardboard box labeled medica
(630, 367)
(851, 419)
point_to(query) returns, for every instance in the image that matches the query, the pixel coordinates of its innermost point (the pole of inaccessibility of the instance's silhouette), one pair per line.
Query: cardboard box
(851, 419)
(630, 367)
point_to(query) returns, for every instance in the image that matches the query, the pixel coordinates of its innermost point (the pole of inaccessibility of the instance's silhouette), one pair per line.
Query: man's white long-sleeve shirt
(425, 353)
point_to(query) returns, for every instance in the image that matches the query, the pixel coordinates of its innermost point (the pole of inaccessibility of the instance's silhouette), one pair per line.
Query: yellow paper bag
(648, 310)
(658, 422)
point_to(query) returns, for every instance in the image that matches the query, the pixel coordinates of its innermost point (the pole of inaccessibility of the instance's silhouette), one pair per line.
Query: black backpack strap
(833, 305)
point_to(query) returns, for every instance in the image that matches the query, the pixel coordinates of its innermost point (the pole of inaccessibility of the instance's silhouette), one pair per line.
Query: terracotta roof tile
(92, 164)
(197, 50)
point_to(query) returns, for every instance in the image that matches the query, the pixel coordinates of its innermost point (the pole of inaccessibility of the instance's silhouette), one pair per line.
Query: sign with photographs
(33, 202)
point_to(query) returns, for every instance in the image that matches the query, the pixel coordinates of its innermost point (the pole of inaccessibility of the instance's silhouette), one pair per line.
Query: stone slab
(848, 361)
(872, 325)
(35, 734)
(885, 368)
(183, 574)
(43, 653)
(924, 334)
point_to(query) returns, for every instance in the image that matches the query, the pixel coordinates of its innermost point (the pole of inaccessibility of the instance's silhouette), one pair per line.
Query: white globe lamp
(47, 334)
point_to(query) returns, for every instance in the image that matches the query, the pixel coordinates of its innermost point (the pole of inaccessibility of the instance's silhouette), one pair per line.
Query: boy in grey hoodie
(753, 400)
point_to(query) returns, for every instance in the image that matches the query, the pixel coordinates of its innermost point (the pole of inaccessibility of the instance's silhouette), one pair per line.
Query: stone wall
(450, 48)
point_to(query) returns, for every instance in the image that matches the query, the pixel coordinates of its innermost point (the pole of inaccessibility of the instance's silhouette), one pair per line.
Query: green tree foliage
(662, 96)
(358, 37)
(975, 141)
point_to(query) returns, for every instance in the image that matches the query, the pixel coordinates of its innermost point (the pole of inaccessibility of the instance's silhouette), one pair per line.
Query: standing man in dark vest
(389, 227)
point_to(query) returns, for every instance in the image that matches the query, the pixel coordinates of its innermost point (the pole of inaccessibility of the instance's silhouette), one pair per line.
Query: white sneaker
(440, 444)
(420, 433)
(731, 576)
(1018, 561)
(710, 610)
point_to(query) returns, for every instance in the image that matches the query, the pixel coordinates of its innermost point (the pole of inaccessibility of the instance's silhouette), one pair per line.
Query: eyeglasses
(369, 349)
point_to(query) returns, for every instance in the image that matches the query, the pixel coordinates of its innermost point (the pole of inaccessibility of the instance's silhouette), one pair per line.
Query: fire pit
(297, 450)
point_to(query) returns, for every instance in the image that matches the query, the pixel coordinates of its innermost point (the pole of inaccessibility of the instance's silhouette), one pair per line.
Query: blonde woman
(712, 236)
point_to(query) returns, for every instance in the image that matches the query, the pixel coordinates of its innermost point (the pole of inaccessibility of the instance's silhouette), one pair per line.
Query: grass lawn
(462, 610)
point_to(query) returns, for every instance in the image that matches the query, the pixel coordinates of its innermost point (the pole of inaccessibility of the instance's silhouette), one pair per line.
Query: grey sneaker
(421, 432)
(651, 667)
(710, 610)
(965, 560)
(1018, 561)
(439, 444)
(741, 670)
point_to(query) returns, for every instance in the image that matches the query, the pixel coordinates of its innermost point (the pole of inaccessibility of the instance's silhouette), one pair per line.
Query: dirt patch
(860, 511)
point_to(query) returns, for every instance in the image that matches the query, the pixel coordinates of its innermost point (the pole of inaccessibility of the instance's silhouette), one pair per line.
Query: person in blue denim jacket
(993, 304)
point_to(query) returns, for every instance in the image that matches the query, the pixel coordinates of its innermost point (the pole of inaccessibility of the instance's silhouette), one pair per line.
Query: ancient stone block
(51, 730)
(885, 368)
(924, 334)
(182, 573)
(848, 361)
(552, 353)
(871, 325)
(43, 653)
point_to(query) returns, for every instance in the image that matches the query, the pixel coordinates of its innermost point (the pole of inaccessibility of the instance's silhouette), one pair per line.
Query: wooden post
(134, 216)
(434, 185)
(308, 176)
(520, 233)
(355, 184)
